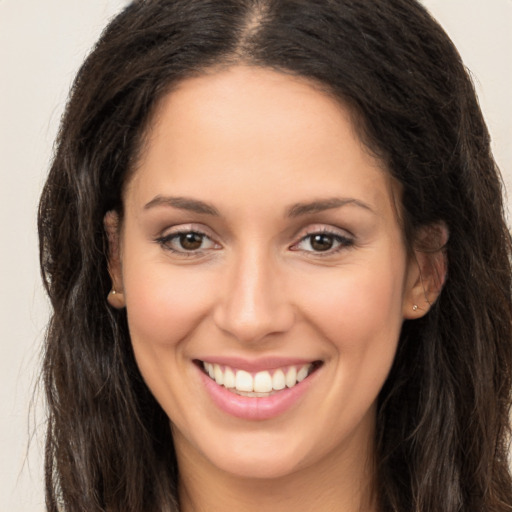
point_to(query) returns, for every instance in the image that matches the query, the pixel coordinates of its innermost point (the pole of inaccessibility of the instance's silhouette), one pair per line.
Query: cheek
(164, 304)
(358, 316)
(359, 308)
(164, 307)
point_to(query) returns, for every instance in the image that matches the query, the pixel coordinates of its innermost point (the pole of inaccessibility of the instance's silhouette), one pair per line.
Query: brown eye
(322, 242)
(187, 243)
(191, 241)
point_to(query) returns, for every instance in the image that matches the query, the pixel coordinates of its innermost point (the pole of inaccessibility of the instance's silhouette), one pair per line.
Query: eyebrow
(296, 210)
(183, 203)
(299, 209)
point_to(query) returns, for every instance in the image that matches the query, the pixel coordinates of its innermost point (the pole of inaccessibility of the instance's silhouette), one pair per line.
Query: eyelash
(166, 240)
(343, 242)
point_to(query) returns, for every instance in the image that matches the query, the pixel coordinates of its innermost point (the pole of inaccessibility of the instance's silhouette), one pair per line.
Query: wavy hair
(443, 425)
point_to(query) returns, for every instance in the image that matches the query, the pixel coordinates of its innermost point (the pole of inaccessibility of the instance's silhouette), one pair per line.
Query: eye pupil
(322, 242)
(191, 241)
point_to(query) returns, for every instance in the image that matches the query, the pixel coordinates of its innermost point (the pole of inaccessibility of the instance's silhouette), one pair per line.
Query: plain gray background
(42, 43)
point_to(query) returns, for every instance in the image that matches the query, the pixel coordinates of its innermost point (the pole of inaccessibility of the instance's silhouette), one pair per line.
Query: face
(260, 245)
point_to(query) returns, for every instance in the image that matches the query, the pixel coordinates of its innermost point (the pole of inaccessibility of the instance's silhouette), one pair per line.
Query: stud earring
(113, 292)
(414, 308)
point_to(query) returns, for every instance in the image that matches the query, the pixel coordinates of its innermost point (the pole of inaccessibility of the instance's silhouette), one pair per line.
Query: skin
(251, 143)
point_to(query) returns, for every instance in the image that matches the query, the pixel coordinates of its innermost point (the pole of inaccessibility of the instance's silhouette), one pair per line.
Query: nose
(253, 302)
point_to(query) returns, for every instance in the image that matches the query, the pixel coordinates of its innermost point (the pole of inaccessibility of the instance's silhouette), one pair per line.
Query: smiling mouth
(259, 384)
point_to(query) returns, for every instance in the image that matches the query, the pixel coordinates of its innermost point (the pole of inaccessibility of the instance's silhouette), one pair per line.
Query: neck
(343, 481)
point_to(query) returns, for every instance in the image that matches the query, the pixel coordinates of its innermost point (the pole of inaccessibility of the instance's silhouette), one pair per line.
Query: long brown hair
(443, 425)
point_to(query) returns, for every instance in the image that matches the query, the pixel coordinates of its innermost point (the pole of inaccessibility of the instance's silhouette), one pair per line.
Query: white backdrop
(42, 43)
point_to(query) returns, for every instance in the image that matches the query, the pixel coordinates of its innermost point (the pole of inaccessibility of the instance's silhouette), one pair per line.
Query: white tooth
(243, 381)
(303, 373)
(229, 378)
(209, 369)
(252, 394)
(278, 380)
(262, 395)
(291, 377)
(219, 376)
(262, 382)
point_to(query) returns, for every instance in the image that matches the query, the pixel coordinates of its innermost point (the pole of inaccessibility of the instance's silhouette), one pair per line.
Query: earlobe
(427, 271)
(116, 299)
(111, 224)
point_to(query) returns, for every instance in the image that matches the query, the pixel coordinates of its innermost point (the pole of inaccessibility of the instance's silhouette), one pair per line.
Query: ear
(111, 223)
(427, 270)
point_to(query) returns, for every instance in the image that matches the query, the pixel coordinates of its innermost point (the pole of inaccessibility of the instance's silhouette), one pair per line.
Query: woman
(274, 242)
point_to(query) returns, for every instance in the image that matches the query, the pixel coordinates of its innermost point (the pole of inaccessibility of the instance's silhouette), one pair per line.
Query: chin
(259, 465)
(250, 454)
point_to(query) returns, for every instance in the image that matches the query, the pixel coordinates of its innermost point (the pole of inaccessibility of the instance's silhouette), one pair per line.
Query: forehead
(256, 129)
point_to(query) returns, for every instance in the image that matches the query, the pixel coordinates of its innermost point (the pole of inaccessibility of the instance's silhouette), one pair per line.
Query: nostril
(254, 324)
(253, 303)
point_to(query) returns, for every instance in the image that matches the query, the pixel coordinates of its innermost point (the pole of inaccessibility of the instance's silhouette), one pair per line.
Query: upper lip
(256, 365)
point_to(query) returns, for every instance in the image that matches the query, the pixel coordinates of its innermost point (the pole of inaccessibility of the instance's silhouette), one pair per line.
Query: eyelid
(181, 229)
(324, 228)
(186, 228)
(344, 237)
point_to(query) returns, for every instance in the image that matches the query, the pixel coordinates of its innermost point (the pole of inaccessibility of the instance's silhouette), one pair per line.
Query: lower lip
(255, 408)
